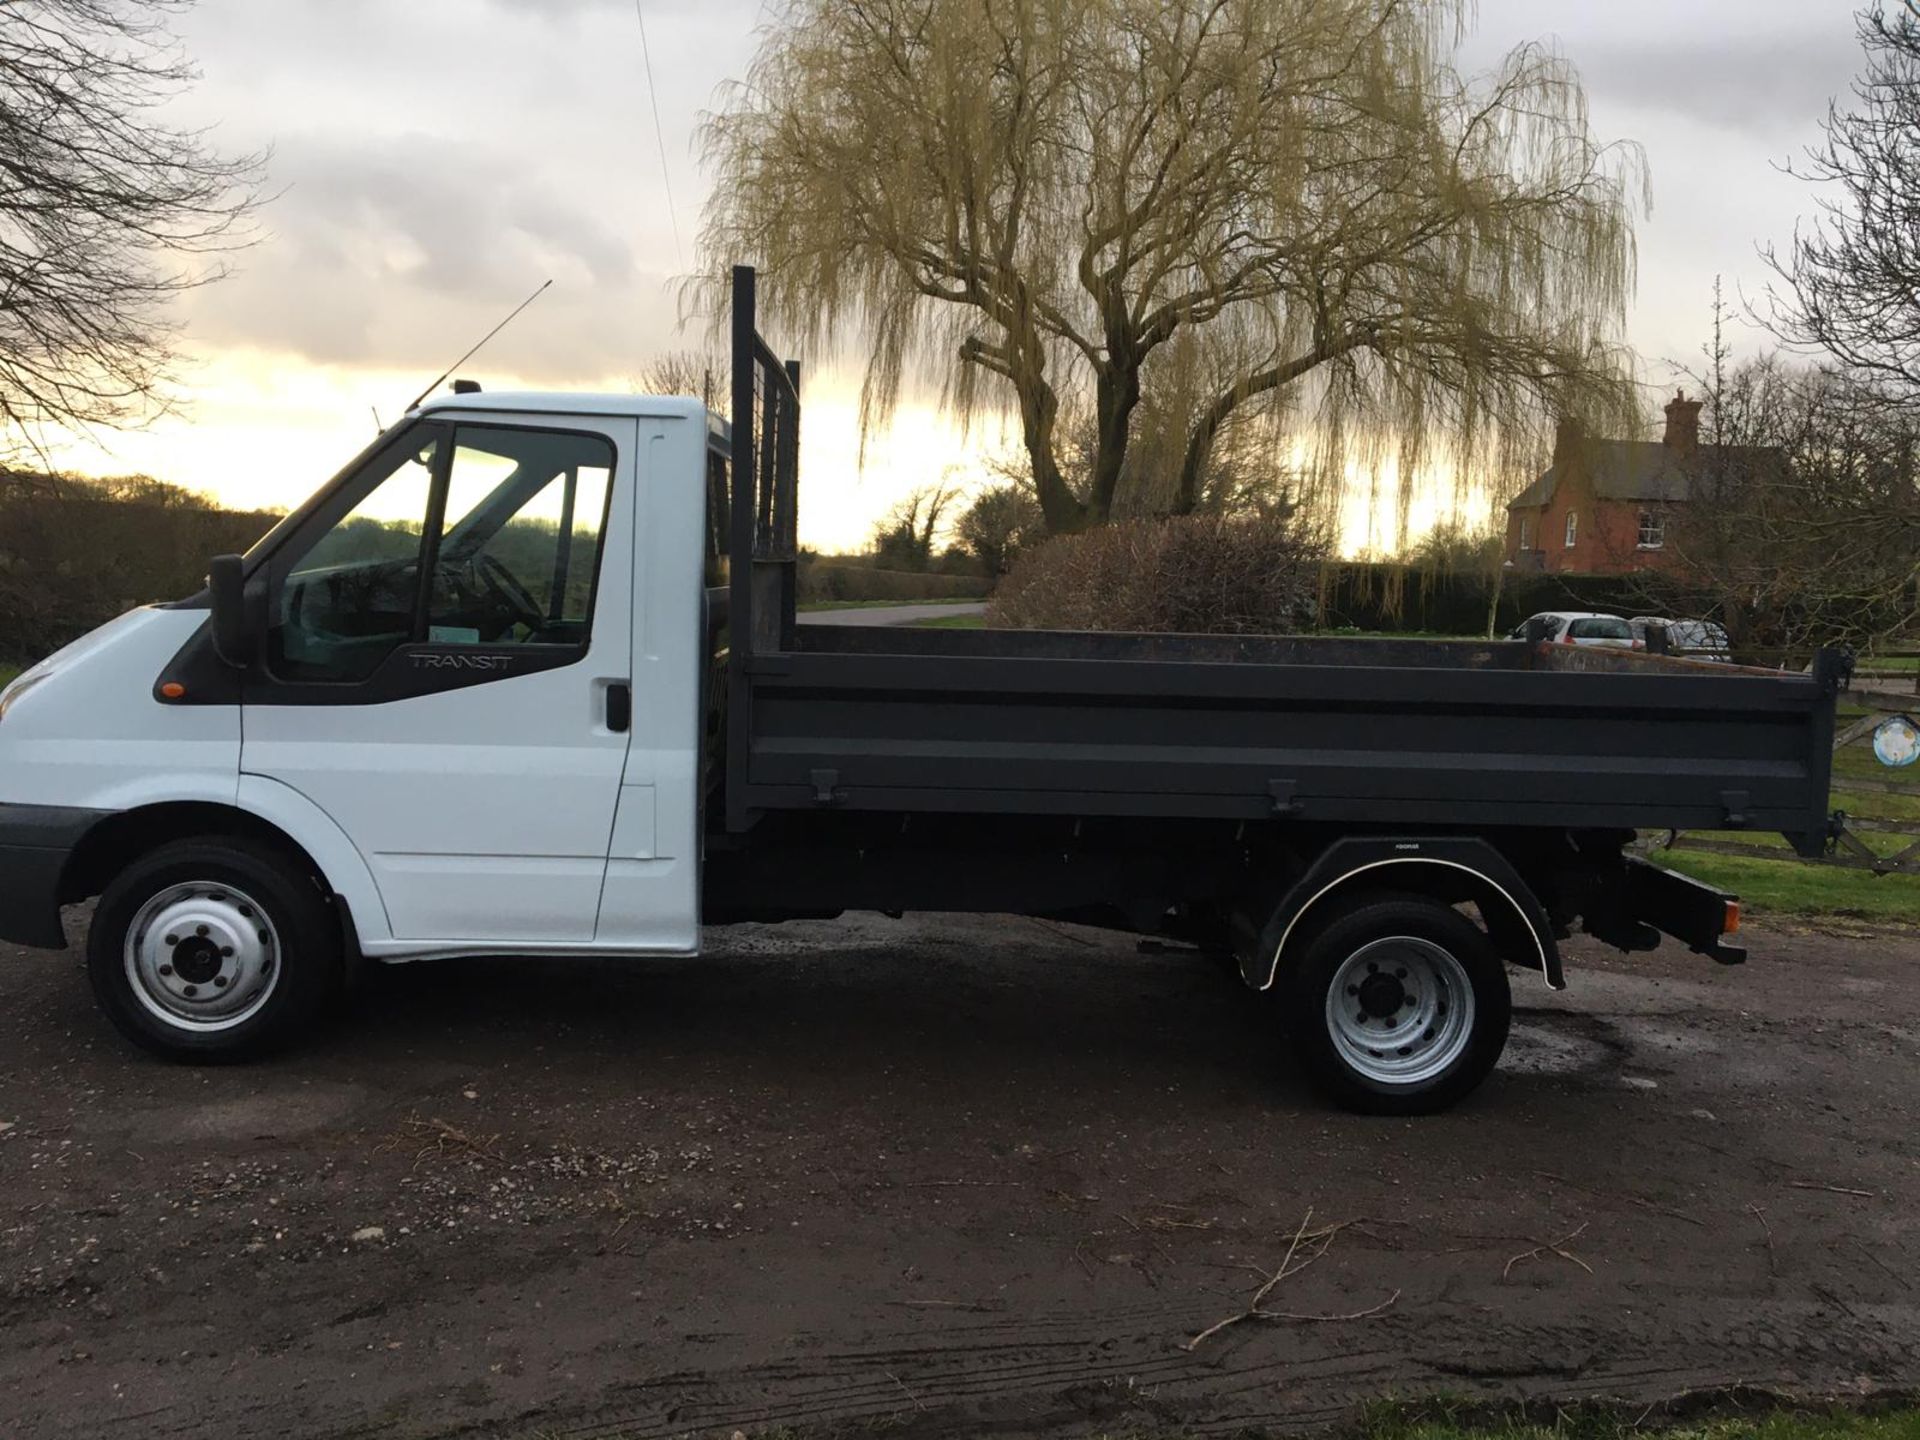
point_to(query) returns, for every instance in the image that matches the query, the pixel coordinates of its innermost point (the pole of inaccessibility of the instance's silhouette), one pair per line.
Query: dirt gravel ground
(942, 1176)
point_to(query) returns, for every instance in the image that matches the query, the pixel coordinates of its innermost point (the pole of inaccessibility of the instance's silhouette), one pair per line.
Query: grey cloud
(748, 10)
(1768, 83)
(473, 217)
(573, 232)
(363, 237)
(427, 183)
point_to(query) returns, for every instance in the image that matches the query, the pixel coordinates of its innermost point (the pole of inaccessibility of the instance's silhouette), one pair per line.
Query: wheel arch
(122, 836)
(1449, 869)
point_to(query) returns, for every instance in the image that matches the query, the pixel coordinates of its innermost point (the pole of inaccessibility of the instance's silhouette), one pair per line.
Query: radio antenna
(434, 383)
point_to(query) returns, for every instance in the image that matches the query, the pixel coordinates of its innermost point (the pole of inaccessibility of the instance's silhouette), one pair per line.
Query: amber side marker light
(173, 690)
(1731, 925)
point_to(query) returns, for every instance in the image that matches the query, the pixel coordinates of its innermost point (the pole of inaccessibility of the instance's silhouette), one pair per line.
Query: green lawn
(953, 622)
(7, 672)
(1907, 663)
(889, 604)
(1790, 887)
(1432, 1422)
(1784, 887)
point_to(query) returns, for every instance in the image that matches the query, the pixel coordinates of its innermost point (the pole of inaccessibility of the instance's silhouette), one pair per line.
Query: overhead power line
(659, 135)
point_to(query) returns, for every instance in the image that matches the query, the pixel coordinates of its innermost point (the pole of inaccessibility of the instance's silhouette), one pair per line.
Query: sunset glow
(407, 213)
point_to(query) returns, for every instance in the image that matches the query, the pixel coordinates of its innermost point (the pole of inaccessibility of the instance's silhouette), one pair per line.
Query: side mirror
(233, 635)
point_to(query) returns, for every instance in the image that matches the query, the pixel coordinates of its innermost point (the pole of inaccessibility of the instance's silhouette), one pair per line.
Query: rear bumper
(1677, 905)
(35, 843)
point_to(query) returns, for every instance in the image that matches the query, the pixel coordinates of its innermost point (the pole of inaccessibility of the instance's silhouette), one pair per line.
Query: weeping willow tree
(1285, 209)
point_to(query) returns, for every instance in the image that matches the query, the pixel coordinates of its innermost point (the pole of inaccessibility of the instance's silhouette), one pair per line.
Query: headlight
(20, 687)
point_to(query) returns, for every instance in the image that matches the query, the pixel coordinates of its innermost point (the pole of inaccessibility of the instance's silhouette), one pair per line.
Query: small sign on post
(1896, 741)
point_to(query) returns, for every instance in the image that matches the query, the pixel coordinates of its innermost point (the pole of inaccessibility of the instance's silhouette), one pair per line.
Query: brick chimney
(1683, 423)
(1568, 436)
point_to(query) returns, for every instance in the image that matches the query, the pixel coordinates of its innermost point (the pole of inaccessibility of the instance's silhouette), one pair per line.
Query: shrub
(1250, 575)
(999, 525)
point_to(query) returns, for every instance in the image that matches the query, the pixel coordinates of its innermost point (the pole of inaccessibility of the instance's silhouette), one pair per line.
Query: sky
(432, 161)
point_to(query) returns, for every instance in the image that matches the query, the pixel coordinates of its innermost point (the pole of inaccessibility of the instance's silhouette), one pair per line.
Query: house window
(1526, 532)
(1653, 530)
(1573, 528)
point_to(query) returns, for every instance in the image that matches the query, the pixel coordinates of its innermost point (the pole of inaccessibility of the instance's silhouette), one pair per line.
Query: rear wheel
(1396, 1004)
(212, 949)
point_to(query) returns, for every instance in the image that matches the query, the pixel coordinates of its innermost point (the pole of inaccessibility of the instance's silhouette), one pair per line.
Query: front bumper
(35, 844)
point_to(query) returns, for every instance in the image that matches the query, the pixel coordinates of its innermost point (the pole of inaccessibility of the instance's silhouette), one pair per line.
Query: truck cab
(468, 693)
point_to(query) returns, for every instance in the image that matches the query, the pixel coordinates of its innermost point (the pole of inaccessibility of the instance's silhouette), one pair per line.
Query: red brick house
(1605, 506)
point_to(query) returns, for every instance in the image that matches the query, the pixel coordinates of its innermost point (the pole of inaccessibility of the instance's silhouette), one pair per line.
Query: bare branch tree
(1037, 200)
(1849, 284)
(697, 373)
(1804, 524)
(107, 213)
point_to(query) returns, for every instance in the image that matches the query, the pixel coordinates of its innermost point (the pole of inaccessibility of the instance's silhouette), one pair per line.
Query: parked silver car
(1580, 627)
(1695, 639)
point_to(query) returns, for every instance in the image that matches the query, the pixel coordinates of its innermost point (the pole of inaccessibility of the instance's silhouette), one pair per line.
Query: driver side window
(506, 522)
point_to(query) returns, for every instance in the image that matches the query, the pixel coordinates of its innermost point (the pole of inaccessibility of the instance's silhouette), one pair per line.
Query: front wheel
(213, 949)
(1396, 1004)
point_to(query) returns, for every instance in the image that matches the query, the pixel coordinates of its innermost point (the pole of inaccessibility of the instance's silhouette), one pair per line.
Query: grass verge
(1437, 1422)
(1740, 1414)
(889, 604)
(953, 622)
(7, 672)
(1786, 887)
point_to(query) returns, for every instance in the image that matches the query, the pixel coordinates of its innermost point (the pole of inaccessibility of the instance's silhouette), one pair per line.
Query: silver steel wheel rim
(202, 956)
(1400, 1010)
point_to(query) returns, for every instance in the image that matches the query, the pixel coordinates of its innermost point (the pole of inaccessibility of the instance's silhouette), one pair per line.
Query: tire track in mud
(1002, 1383)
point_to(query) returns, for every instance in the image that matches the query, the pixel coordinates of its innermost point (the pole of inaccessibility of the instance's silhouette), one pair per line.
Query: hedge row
(71, 561)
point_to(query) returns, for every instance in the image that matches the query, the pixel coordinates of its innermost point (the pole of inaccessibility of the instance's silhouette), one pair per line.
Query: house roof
(1637, 470)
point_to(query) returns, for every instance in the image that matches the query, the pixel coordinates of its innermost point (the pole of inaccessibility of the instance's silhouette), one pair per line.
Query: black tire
(281, 983)
(1459, 1043)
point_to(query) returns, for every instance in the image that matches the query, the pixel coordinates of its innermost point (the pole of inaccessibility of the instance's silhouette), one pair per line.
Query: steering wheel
(506, 586)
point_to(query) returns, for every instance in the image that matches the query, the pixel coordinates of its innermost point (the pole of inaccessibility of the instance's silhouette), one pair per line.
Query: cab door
(448, 671)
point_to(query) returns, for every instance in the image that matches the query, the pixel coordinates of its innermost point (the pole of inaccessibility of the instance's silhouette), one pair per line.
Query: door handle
(619, 706)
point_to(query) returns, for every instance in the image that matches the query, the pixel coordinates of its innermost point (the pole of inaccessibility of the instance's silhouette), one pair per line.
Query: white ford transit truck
(525, 677)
